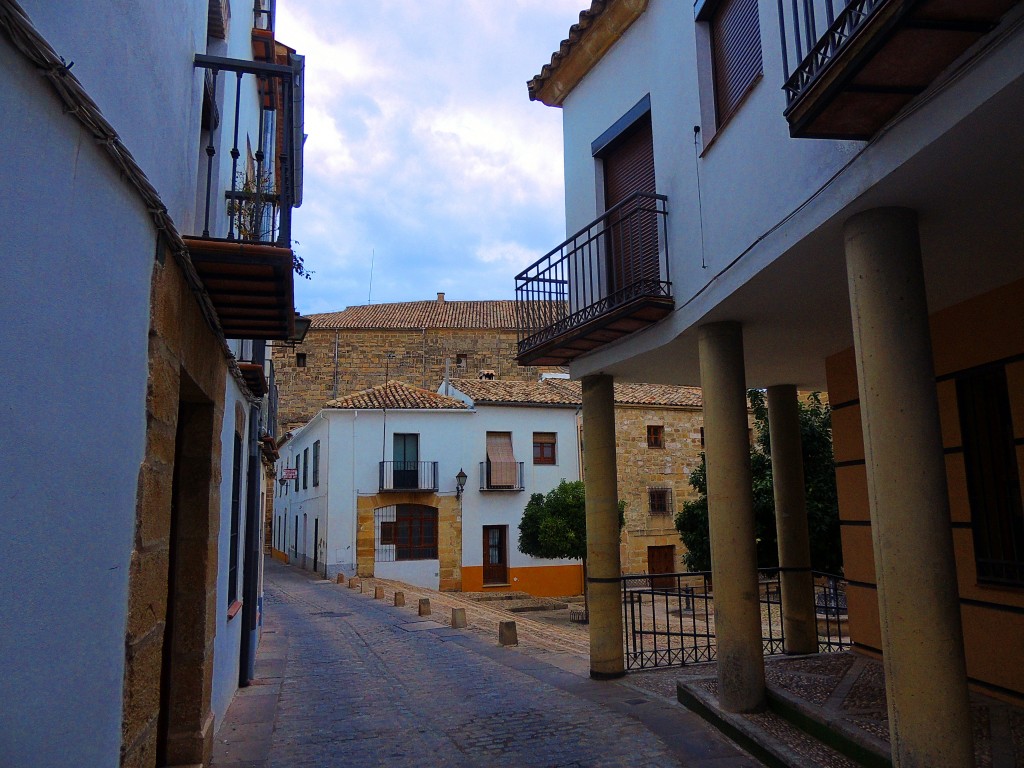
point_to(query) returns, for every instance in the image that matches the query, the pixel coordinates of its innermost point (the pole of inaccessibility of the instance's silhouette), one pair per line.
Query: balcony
(252, 181)
(608, 280)
(415, 476)
(502, 477)
(859, 62)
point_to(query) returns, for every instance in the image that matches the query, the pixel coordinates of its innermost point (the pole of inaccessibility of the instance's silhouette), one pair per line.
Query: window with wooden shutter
(544, 447)
(735, 53)
(501, 461)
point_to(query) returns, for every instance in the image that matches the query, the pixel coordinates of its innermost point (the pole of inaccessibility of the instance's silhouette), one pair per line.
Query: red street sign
(290, 473)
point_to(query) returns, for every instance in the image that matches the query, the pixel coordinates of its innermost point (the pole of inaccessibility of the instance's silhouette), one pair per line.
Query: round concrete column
(731, 518)
(604, 595)
(918, 601)
(799, 623)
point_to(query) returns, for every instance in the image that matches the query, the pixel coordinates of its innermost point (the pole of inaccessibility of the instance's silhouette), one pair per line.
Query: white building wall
(77, 254)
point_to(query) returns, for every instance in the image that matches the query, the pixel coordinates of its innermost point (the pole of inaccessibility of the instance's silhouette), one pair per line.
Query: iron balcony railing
(813, 33)
(495, 480)
(619, 257)
(408, 476)
(669, 618)
(251, 198)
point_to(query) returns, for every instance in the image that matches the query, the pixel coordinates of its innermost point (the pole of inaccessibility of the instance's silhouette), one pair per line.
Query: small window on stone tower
(300, 359)
(655, 436)
(461, 361)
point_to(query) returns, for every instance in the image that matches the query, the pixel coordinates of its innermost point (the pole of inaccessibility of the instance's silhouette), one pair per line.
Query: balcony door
(632, 230)
(406, 458)
(495, 554)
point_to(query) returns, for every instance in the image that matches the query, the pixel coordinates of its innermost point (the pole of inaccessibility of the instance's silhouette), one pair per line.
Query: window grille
(660, 501)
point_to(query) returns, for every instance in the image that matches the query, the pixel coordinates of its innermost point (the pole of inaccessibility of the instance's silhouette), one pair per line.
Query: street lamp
(460, 483)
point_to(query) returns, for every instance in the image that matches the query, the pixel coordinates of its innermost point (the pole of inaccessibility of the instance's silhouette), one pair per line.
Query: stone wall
(362, 362)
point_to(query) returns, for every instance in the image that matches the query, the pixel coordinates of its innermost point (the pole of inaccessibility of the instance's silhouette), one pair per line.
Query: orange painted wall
(986, 329)
(540, 581)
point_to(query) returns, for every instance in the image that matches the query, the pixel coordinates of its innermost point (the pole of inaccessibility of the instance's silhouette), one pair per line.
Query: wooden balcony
(872, 57)
(607, 281)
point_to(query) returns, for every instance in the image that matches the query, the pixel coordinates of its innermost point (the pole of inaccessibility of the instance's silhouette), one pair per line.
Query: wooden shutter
(736, 53)
(632, 236)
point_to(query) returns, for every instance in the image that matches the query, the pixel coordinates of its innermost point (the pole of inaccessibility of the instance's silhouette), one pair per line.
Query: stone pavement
(346, 680)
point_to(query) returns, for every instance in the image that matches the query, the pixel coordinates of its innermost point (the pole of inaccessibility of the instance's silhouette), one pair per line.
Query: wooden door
(632, 233)
(495, 554)
(661, 560)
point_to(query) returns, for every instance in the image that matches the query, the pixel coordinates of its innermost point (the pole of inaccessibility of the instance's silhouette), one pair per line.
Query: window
(461, 361)
(300, 359)
(406, 532)
(655, 436)
(993, 479)
(544, 447)
(298, 460)
(305, 468)
(502, 467)
(660, 500)
(236, 516)
(316, 463)
(728, 60)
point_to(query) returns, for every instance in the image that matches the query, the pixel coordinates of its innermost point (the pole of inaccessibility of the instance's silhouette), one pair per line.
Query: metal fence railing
(669, 618)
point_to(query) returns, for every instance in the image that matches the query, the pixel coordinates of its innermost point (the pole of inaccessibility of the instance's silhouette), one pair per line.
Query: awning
(504, 468)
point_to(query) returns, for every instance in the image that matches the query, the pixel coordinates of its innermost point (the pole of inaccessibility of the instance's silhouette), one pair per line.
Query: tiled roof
(498, 314)
(565, 392)
(396, 395)
(576, 33)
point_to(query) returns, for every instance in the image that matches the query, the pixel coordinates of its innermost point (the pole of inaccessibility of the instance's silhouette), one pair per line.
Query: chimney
(440, 297)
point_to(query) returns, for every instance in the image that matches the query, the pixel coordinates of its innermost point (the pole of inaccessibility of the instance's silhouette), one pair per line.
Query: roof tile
(566, 392)
(398, 396)
(497, 314)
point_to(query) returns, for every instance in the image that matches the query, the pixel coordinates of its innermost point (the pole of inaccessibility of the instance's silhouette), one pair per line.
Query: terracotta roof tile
(566, 392)
(576, 33)
(396, 395)
(498, 314)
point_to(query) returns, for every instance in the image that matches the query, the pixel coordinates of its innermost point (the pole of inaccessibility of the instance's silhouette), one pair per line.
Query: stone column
(918, 602)
(731, 518)
(799, 623)
(604, 592)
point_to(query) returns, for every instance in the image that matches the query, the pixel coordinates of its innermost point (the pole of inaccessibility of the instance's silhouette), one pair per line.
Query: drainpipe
(250, 569)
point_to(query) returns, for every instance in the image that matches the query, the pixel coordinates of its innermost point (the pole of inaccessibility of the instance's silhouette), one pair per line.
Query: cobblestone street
(346, 680)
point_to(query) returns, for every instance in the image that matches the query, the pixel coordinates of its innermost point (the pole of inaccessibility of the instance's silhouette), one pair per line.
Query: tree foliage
(555, 525)
(819, 482)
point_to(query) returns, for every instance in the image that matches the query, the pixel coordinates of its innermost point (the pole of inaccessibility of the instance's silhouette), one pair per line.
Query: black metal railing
(263, 118)
(492, 480)
(669, 617)
(408, 476)
(813, 32)
(620, 256)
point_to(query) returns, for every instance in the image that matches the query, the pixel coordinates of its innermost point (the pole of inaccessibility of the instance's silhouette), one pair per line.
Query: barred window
(406, 532)
(660, 500)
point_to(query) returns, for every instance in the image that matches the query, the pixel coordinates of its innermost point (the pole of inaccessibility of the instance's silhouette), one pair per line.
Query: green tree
(555, 525)
(819, 481)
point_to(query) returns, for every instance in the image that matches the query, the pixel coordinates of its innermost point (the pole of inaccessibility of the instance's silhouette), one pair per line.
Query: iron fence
(408, 476)
(669, 618)
(489, 483)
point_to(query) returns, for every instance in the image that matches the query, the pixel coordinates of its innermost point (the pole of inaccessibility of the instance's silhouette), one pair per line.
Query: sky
(424, 153)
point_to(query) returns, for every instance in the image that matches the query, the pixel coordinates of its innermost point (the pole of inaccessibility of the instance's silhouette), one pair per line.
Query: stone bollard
(340, 578)
(507, 633)
(459, 618)
(363, 587)
(378, 593)
(424, 606)
(353, 583)
(400, 599)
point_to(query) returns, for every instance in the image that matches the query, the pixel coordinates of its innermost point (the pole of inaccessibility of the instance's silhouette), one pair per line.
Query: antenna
(369, 293)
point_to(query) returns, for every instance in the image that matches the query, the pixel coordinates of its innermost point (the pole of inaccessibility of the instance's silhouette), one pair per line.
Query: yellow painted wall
(986, 329)
(540, 581)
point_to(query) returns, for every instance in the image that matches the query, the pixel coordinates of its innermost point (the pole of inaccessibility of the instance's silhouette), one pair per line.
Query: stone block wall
(362, 362)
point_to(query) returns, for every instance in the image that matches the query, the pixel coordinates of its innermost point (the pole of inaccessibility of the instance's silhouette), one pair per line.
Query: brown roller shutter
(736, 53)
(633, 236)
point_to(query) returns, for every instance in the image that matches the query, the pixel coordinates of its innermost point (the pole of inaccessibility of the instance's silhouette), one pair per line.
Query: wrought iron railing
(263, 125)
(669, 618)
(408, 476)
(813, 32)
(490, 481)
(619, 257)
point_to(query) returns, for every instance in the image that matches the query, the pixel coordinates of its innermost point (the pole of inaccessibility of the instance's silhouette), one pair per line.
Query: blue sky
(424, 150)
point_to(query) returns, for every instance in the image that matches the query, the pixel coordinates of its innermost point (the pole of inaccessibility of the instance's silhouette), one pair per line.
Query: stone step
(488, 597)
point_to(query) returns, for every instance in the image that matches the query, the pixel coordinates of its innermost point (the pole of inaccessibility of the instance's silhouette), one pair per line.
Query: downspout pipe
(253, 521)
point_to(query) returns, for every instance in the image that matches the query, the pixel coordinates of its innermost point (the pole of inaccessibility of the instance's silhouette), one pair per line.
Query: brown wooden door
(632, 234)
(495, 554)
(661, 560)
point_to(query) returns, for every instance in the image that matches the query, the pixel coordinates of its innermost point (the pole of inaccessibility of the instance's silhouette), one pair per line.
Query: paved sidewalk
(346, 680)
